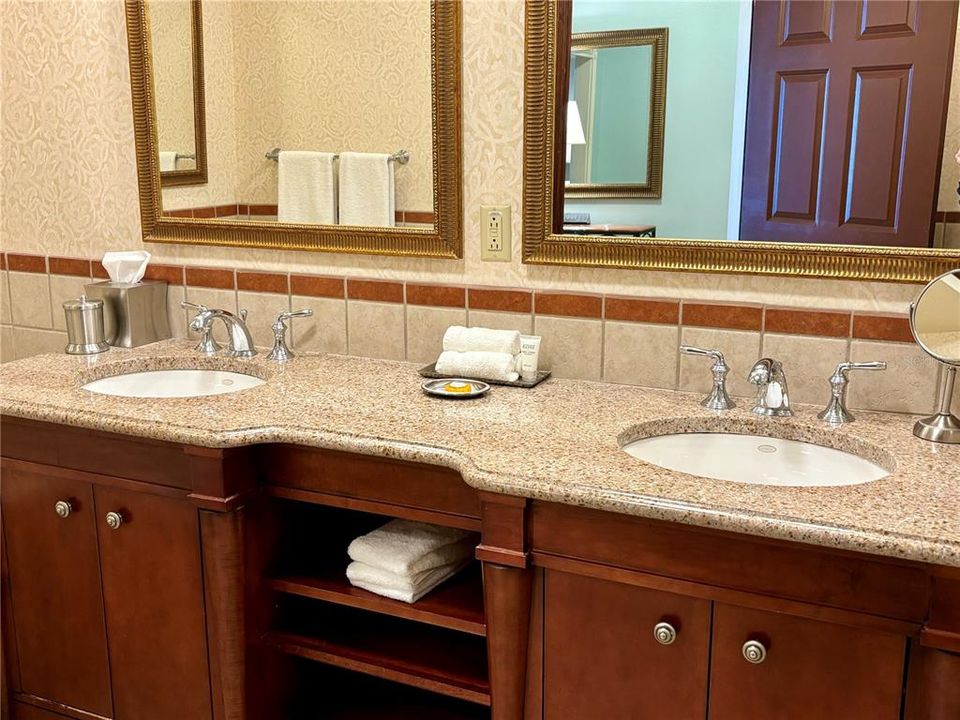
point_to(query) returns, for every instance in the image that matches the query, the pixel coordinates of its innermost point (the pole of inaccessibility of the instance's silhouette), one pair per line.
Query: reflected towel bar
(400, 156)
(181, 156)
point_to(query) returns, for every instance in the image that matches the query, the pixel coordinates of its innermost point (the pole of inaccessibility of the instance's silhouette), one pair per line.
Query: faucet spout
(773, 397)
(241, 341)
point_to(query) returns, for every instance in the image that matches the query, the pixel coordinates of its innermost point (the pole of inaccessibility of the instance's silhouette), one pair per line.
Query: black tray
(430, 371)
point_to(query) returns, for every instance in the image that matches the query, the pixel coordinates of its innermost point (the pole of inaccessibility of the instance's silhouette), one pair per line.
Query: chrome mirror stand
(943, 426)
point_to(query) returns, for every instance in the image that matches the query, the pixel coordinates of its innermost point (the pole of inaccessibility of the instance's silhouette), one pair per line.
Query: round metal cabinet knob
(665, 633)
(114, 520)
(754, 652)
(63, 508)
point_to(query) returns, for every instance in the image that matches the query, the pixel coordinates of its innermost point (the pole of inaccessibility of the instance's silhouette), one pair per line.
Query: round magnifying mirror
(935, 323)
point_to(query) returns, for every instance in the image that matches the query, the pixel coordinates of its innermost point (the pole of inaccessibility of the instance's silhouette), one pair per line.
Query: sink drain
(766, 449)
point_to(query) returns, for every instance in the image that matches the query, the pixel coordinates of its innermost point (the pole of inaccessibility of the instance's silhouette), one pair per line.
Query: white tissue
(126, 267)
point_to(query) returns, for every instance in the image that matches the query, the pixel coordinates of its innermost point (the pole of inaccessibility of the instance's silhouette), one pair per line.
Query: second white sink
(755, 459)
(173, 383)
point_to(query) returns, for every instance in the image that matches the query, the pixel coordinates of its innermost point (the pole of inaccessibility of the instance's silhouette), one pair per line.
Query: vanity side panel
(933, 685)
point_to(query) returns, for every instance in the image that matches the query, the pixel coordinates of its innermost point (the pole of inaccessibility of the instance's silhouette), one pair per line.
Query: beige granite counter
(558, 442)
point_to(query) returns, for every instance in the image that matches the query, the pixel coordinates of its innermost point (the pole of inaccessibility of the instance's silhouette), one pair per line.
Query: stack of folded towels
(405, 560)
(480, 353)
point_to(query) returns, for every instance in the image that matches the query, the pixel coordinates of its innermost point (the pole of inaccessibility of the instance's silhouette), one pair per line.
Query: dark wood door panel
(153, 591)
(812, 669)
(601, 659)
(805, 21)
(879, 18)
(58, 614)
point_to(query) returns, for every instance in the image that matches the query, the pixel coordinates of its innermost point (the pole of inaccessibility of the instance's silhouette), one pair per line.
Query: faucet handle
(195, 306)
(836, 411)
(718, 399)
(306, 312)
(280, 351)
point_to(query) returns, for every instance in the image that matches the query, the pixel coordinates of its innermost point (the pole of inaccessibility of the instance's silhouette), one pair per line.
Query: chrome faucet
(718, 399)
(836, 411)
(281, 352)
(773, 398)
(241, 341)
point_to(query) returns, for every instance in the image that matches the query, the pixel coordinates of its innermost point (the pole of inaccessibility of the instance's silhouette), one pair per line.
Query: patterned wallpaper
(68, 168)
(170, 32)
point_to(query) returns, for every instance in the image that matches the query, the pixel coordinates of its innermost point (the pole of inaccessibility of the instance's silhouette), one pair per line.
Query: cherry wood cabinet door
(54, 575)
(153, 590)
(811, 669)
(602, 660)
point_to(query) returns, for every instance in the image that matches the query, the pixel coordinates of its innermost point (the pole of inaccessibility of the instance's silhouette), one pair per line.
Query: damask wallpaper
(69, 177)
(170, 32)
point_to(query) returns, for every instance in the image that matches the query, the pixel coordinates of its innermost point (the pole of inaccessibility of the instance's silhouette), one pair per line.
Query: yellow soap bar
(458, 387)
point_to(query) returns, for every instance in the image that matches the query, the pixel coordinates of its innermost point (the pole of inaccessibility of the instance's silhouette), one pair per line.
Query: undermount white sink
(755, 459)
(173, 383)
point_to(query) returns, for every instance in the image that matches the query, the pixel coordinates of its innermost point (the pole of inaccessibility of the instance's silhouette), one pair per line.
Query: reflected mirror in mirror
(309, 105)
(176, 42)
(785, 122)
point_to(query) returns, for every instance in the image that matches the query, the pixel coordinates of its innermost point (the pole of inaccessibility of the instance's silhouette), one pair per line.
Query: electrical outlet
(495, 237)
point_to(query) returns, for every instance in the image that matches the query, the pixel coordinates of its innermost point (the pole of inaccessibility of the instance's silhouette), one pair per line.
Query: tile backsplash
(614, 338)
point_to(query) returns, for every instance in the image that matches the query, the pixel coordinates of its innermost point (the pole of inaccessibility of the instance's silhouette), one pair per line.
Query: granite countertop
(558, 442)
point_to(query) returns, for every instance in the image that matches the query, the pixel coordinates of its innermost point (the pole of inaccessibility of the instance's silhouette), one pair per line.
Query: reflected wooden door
(845, 120)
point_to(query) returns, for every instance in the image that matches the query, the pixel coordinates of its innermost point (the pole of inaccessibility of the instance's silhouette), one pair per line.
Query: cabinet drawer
(811, 669)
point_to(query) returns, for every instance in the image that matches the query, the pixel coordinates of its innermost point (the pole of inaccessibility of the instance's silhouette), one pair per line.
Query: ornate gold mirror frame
(546, 59)
(197, 175)
(444, 240)
(656, 38)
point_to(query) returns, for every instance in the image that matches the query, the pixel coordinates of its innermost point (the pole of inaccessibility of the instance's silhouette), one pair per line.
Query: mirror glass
(335, 80)
(785, 122)
(935, 318)
(173, 32)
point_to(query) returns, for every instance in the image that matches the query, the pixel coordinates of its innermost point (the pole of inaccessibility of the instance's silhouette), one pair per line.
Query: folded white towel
(406, 547)
(479, 339)
(168, 160)
(400, 587)
(306, 188)
(367, 195)
(482, 365)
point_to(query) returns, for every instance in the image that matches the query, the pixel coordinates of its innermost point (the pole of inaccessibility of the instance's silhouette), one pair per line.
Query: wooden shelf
(435, 660)
(457, 604)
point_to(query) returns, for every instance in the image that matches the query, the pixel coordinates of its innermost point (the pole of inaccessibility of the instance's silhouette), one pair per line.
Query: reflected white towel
(406, 547)
(367, 189)
(399, 587)
(480, 365)
(168, 160)
(479, 339)
(306, 188)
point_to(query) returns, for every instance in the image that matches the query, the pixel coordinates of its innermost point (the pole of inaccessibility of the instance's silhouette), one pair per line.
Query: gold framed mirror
(884, 221)
(179, 88)
(418, 155)
(615, 110)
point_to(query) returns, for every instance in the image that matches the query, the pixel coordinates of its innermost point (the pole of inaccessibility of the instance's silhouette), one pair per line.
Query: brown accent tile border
(663, 312)
(724, 317)
(261, 209)
(96, 269)
(419, 216)
(375, 290)
(69, 266)
(951, 216)
(204, 213)
(486, 298)
(568, 304)
(895, 328)
(173, 274)
(26, 263)
(3, 261)
(436, 295)
(791, 321)
(210, 277)
(317, 286)
(263, 282)
(183, 213)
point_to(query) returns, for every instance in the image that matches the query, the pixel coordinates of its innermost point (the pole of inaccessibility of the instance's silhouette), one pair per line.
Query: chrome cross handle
(280, 352)
(718, 399)
(836, 411)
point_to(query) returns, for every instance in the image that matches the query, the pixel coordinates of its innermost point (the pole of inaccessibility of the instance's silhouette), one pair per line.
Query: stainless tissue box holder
(134, 314)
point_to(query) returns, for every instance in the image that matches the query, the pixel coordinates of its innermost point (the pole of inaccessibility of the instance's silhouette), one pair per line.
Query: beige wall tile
(30, 299)
(741, 350)
(6, 344)
(177, 315)
(262, 310)
(640, 354)
(501, 320)
(951, 236)
(907, 385)
(808, 363)
(4, 299)
(425, 328)
(325, 331)
(28, 342)
(212, 298)
(376, 330)
(571, 347)
(64, 287)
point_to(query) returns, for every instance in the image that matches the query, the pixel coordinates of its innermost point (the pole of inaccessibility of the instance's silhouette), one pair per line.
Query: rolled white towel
(482, 365)
(478, 339)
(406, 547)
(399, 587)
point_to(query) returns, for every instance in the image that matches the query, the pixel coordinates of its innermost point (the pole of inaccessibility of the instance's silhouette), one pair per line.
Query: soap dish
(430, 371)
(468, 388)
